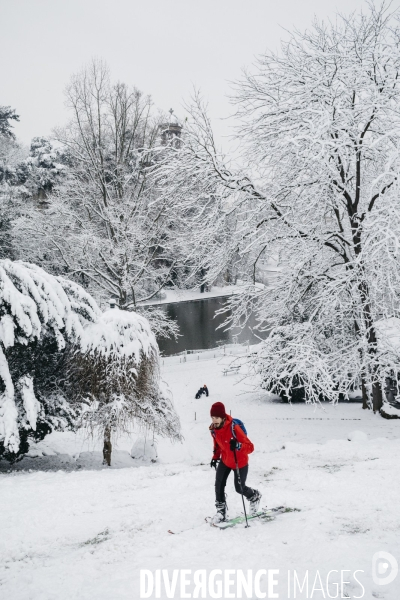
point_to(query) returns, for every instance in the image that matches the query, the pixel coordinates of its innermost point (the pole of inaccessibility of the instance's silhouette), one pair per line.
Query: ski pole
(241, 487)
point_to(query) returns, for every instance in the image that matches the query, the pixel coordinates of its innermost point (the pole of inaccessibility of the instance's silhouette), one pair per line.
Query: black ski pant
(221, 477)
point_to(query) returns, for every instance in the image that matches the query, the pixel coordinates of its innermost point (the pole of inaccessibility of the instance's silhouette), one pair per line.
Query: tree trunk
(203, 284)
(107, 447)
(377, 395)
(123, 297)
(364, 394)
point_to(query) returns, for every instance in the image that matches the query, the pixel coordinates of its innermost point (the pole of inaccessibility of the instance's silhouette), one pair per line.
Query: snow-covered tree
(7, 114)
(102, 226)
(12, 194)
(11, 154)
(49, 328)
(116, 374)
(38, 318)
(44, 168)
(318, 185)
(34, 175)
(25, 177)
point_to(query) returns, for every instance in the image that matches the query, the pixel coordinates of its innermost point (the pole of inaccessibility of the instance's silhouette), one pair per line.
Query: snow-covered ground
(72, 529)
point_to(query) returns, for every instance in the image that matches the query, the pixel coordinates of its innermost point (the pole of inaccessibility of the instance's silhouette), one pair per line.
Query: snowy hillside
(79, 530)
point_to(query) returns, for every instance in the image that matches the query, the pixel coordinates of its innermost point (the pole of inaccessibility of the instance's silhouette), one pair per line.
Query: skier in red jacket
(227, 438)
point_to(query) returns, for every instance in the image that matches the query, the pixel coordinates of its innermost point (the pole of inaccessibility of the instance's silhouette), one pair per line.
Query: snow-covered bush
(58, 351)
(298, 363)
(292, 369)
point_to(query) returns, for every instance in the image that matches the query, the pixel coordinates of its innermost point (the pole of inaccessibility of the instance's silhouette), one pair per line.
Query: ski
(178, 531)
(266, 514)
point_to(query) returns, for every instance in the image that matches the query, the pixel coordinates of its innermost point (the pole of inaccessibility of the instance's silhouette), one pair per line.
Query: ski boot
(221, 514)
(255, 502)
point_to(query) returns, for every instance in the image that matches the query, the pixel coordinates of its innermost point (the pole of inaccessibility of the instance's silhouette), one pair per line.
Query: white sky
(163, 47)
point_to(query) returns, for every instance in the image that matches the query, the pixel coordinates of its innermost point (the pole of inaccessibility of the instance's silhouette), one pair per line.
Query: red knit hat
(218, 410)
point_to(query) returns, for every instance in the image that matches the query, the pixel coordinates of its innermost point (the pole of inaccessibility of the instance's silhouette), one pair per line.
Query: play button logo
(384, 568)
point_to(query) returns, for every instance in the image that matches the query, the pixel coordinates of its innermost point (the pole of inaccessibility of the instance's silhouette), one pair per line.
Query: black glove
(234, 445)
(214, 462)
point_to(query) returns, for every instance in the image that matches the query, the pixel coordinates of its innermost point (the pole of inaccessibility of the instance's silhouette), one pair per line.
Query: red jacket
(222, 438)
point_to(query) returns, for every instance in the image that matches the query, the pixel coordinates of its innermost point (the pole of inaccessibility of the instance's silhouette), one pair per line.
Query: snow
(7, 331)
(8, 410)
(31, 405)
(357, 436)
(72, 528)
(144, 450)
(120, 332)
(391, 411)
(389, 334)
(173, 296)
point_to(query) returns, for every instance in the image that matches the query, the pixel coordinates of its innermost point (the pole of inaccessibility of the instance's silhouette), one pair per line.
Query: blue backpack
(241, 425)
(234, 422)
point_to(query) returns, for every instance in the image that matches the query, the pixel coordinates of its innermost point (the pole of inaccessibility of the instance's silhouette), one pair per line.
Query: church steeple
(171, 132)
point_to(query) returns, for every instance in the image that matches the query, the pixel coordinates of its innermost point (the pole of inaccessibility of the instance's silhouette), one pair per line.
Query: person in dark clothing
(202, 390)
(223, 460)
